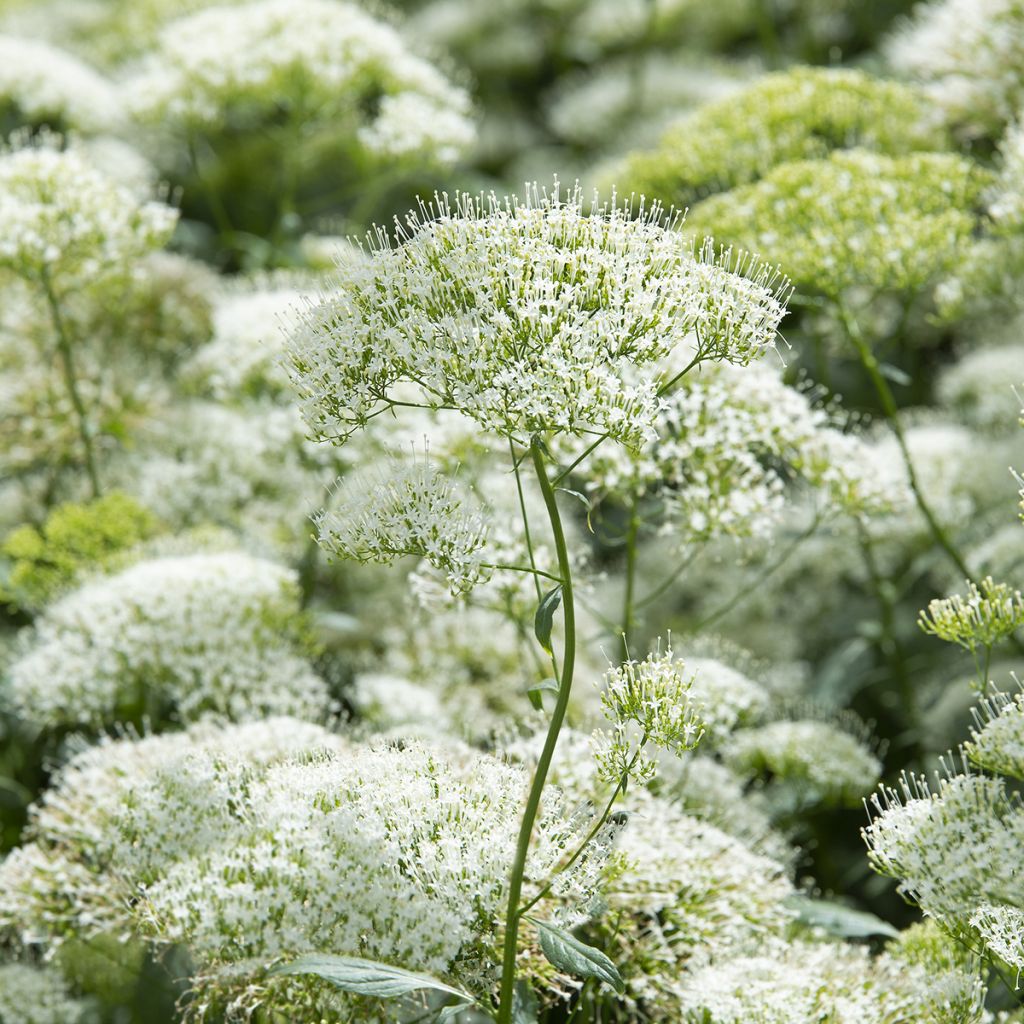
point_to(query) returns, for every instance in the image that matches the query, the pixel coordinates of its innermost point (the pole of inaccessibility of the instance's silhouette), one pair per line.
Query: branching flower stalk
(542, 319)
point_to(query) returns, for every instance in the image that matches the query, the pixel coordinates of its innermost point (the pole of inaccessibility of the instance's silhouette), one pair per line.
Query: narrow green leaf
(536, 691)
(570, 955)
(544, 619)
(895, 374)
(365, 977)
(838, 919)
(587, 504)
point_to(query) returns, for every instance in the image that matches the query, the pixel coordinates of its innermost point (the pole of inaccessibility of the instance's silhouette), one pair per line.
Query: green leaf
(838, 919)
(536, 691)
(545, 616)
(587, 504)
(895, 374)
(366, 977)
(570, 955)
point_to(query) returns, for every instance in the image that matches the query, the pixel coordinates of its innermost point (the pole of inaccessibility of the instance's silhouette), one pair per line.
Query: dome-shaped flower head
(63, 220)
(41, 84)
(539, 316)
(314, 63)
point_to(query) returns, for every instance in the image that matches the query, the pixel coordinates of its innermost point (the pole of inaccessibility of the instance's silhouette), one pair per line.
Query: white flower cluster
(978, 385)
(45, 85)
(248, 856)
(969, 55)
(823, 981)
(64, 221)
(186, 635)
(407, 508)
(997, 740)
(38, 995)
(724, 697)
(242, 359)
(530, 317)
(823, 762)
(652, 698)
(730, 442)
(989, 613)
(955, 849)
(248, 468)
(693, 895)
(327, 62)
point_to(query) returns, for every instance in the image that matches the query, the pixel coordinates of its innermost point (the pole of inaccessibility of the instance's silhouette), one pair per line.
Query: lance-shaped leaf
(544, 619)
(568, 954)
(366, 977)
(838, 919)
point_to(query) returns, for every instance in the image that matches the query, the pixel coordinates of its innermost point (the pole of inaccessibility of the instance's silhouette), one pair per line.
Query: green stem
(892, 414)
(628, 602)
(71, 380)
(521, 568)
(889, 643)
(672, 577)
(515, 888)
(763, 576)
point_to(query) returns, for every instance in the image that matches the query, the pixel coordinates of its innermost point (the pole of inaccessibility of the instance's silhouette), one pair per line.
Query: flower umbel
(652, 696)
(409, 509)
(989, 613)
(542, 316)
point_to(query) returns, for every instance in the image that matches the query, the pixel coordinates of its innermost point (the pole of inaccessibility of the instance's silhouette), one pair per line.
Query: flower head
(184, 635)
(65, 221)
(406, 509)
(541, 316)
(989, 613)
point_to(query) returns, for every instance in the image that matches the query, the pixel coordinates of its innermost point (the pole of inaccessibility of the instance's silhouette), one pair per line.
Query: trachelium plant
(540, 320)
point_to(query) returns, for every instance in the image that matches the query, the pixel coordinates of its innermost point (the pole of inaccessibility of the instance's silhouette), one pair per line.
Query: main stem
(513, 912)
(71, 380)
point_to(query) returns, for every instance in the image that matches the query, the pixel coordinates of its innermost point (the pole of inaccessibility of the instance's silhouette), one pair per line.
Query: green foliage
(74, 538)
(801, 114)
(853, 219)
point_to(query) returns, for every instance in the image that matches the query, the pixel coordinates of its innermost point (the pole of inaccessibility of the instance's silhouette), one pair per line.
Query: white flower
(1002, 930)
(952, 847)
(249, 468)
(806, 982)
(730, 441)
(650, 697)
(406, 508)
(825, 762)
(47, 85)
(541, 316)
(38, 995)
(969, 55)
(319, 60)
(182, 635)
(63, 220)
(243, 356)
(394, 854)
